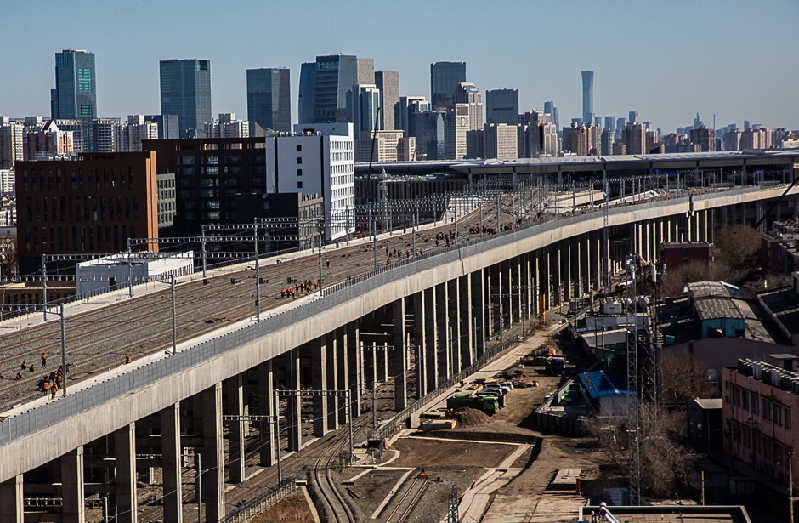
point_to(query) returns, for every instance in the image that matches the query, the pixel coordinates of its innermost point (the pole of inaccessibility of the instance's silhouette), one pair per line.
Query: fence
(252, 507)
(42, 417)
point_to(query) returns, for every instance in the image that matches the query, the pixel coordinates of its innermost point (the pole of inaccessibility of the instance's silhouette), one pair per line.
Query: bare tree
(739, 247)
(665, 461)
(683, 378)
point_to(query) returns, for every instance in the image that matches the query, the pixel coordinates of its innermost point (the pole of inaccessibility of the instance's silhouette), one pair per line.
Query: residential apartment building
(500, 141)
(227, 127)
(11, 144)
(89, 205)
(128, 136)
(50, 142)
(759, 411)
(467, 93)
(386, 147)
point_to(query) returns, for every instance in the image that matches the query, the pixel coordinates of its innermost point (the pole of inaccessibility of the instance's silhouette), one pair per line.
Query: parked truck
(557, 365)
(487, 404)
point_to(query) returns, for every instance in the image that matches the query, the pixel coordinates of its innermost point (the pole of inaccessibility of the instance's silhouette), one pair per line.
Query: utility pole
(174, 322)
(44, 285)
(320, 264)
(130, 272)
(374, 243)
(374, 404)
(257, 273)
(63, 346)
(198, 459)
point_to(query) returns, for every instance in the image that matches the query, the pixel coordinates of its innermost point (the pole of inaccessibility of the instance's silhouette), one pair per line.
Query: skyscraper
(186, 92)
(333, 79)
(75, 93)
(444, 79)
(588, 96)
(550, 109)
(502, 106)
(610, 123)
(269, 98)
(388, 84)
(307, 94)
(365, 101)
(468, 93)
(633, 117)
(407, 106)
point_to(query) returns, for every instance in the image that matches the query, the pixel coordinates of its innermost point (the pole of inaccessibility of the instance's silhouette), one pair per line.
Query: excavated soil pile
(292, 509)
(469, 416)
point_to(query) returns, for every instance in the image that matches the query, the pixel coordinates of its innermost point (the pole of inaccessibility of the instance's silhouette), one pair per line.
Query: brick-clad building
(677, 254)
(89, 205)
(209, 173)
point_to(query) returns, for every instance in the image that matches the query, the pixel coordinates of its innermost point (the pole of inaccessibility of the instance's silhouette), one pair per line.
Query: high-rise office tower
(467, 93)
(550, 109)
(307, 94)
(75, 93)
(364, 103)
(633, 118)
(610, 123)
(407, 106)
(502, 106)
(334, 77)
(588, 96)
(186, 92)
(444, 79)
(269, 99)
(388, 84)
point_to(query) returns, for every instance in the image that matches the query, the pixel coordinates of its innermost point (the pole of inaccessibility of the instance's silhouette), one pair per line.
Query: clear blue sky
(667, 60)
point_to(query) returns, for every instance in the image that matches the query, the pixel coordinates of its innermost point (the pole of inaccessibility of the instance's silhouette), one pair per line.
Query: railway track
(409, 500)
(101, 339)
(327, 488)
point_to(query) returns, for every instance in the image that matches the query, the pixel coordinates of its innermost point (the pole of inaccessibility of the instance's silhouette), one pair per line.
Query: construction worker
(127, 359)
(53, 390)
(46, 387)
(44, 360)
(328, 264)
(22, 367)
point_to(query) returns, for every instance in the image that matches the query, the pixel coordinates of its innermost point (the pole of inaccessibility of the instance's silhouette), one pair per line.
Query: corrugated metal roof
(709, 403)
(604, 383)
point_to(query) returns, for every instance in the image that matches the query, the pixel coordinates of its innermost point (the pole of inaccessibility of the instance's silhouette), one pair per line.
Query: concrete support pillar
(527, 280)
(74, 509)
(518, 287)
(578, 248)
(266, 407)
(12, 509)
(384, 357)
(170, 464)
(505, 291)
(466, 322)
(293, 403)
(319, 366)
(548, 283)
(431, 339)
(125, 454)
(587, 240)
(235, 407)
(331, 344)
(355, 364)
(559, 277)
(343, 371)
(419, 336)
(213, 476)
(493, 289)
(400, 380)
(570, 292)
(478, 309)
(443, 331)
(453, 306)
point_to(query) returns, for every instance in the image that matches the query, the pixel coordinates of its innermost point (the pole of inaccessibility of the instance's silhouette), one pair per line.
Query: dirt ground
(427, 454)
(292, 508)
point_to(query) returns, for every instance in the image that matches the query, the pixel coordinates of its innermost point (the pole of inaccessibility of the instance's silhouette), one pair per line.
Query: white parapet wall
(102, 274)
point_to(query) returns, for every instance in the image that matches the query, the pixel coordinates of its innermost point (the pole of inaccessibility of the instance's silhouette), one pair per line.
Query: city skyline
(730, 78)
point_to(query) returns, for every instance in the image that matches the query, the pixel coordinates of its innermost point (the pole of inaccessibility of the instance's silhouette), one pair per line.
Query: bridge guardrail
(64, 407)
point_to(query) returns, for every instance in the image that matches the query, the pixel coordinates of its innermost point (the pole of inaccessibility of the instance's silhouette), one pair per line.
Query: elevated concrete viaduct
(415, 325)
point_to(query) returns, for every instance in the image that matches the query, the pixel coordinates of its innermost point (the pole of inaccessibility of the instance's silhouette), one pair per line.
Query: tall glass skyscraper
(335, 76)
(186, 92)
(502, 106)
(588, 96)
(307, 94)
(75, 93)
(444, 79)
(269, 99)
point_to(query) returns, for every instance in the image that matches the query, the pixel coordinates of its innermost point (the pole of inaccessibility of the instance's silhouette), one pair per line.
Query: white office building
(316, 159)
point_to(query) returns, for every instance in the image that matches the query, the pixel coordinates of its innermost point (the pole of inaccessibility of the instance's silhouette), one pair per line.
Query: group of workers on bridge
(307, 286)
